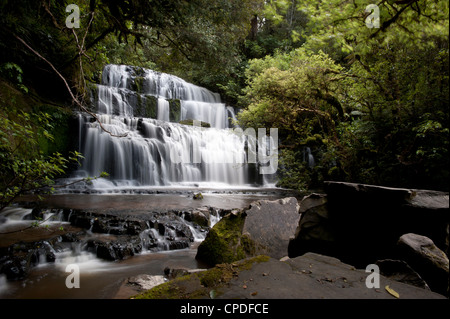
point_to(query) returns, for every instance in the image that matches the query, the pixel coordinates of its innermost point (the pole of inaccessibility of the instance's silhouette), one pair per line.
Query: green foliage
(372, 104)
(13, 73)
(24, 168)
(298, 93)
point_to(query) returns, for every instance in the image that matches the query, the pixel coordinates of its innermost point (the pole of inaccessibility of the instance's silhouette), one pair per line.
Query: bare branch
(80, 105)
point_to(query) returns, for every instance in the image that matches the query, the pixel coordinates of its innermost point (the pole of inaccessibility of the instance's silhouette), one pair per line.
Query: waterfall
(151, 108)
(308, 158)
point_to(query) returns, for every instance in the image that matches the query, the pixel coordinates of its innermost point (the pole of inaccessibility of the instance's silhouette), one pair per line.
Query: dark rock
(116, 249)
(174, 110)
(179, 243)
(428, 260)
(311, 276)
(190, 122)
(360, 224)
(36, 214)
(200, 217)
(314, 227)
(18, 259)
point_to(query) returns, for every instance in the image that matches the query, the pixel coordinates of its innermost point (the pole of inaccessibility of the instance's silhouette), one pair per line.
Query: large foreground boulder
(428, 260)
(360, 224)
(264, 228)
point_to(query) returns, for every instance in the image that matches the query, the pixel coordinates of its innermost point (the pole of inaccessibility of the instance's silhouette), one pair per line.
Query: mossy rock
(200, 285)
(61, 121)
(175, 110)
(146, 106)
(225, 242)
(198, 196)
(191, 123)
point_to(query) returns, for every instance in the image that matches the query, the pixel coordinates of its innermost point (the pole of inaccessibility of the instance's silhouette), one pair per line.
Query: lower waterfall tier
(159, 153)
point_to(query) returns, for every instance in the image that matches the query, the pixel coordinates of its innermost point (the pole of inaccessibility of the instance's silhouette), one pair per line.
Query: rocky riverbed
(262, 247)
(103, 231)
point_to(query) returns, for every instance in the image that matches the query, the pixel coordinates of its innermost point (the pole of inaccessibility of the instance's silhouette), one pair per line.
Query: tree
(298, 93)
(25, 169)
(392, 96)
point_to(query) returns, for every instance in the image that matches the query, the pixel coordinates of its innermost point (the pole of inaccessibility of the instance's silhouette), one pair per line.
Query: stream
(102, 279)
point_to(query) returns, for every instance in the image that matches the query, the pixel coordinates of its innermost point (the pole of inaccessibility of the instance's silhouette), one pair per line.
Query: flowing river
(101, 279)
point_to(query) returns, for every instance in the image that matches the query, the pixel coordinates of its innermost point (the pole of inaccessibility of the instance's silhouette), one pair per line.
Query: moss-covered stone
(199, 285)
(138, 84)
(225, 242)
(191, 123)
(175, 110)
(146, 106)
(61, 130)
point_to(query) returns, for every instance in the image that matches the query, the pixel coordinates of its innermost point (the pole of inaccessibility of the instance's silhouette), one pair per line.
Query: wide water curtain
(165, 145)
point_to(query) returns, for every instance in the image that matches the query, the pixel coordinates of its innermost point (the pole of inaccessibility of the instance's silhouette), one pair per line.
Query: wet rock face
(133, 233)
(116, 249)
(110, 235)
(16, 260)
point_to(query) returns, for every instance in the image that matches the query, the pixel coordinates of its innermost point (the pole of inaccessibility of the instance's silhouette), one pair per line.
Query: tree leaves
(378, 99)
(24, 168)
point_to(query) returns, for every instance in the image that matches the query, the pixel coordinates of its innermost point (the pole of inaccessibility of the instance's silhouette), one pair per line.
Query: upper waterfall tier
(136, 92)
(155, 83)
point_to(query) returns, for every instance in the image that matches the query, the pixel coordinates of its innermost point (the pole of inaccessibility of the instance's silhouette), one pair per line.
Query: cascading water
(147, 107)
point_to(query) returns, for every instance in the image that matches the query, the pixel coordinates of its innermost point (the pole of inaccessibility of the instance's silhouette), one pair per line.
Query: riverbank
(101, 278)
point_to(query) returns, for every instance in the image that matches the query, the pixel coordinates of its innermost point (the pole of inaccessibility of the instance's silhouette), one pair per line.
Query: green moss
(175, 110)
(225, 242)
(151, 106)
(163, 291)
(248, 246)
(92, 90)
(146, 106)
(138, 84)
(199, 285)
(62, 138)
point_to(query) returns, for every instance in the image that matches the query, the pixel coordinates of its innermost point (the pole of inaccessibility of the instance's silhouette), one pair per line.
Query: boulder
(172, 273)
(428, 260)
(116, 248)
(200, 216)
(264, 228)
(271, 225)
(314, 227)
(360, 224)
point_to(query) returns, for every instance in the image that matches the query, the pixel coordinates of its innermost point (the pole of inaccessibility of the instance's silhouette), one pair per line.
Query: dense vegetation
(370, 104)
